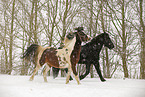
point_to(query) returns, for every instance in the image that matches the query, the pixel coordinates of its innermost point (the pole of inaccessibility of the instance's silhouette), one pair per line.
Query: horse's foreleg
(66, 70)
(47, 68)
(87, 71)
(97, 66)
(68, 75)
(75, 73)
(34, 72)
(77, 78)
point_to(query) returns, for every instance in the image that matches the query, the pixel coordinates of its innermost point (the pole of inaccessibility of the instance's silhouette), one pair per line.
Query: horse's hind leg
(97, 66)
(47, 68)
(87, 72)
(34, 72)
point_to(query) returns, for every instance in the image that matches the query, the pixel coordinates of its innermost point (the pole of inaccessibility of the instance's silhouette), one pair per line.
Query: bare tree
(11, 40)
(124, 35)
(142, 40)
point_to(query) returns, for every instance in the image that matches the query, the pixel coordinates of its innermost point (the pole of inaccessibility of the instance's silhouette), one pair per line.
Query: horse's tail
(31, 53)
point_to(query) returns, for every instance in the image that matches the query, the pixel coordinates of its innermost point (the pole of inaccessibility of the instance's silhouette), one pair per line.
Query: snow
(20, 86)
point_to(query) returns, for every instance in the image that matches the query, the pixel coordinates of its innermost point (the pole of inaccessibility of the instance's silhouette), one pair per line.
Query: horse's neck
(99, 45)
(95, 46)
(76, 51)
(70, 45)
(78, 40)
(77, 46)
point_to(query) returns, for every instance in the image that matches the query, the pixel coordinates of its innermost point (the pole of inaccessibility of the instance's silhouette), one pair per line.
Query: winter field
(20, 86)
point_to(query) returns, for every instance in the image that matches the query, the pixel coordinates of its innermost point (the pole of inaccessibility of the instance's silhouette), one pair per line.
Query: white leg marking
(34, 72)
(47, 68)
(68, 75)
(77, 79)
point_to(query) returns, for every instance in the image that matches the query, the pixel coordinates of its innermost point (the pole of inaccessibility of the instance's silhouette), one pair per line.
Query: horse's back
(49, 56)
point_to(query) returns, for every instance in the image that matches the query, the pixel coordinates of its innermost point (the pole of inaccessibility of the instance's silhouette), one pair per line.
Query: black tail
(30, 53)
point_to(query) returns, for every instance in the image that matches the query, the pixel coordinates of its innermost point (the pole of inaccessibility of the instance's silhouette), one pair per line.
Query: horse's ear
(76, 28)
(79, 28)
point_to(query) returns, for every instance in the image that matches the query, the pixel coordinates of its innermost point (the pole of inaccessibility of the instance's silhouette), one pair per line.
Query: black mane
(96, 39)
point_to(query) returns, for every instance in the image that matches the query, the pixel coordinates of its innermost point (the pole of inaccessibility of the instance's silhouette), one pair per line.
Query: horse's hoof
(67, 82)
(103, 80)
(45, 80)
(79, 83)
(30, 79)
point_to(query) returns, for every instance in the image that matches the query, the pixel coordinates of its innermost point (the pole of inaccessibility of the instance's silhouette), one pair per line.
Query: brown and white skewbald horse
(67, 57)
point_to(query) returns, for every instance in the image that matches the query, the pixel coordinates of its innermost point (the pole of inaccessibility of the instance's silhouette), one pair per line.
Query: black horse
(90, 54)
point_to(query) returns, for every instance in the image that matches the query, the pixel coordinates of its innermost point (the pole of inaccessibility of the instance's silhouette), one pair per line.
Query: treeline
(46, 22)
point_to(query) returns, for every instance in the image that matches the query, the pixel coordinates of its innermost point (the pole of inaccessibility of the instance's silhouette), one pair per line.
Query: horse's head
(79, 28)
(70, 36)
(107, 41)
(83, 36)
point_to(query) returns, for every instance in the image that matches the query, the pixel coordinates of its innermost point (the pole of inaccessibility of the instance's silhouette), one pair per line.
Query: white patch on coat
(64, 53)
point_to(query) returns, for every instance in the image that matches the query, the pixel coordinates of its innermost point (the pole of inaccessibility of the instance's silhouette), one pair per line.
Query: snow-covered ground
(20, 86)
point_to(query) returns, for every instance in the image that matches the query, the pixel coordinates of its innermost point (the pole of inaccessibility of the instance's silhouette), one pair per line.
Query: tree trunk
(35, 30)
(124, 59)
(142, 40)
(91, 28)
(31, 24)
(107, 63)
(6, 65)
(104, 66)
(6, 60)
(106, 51)
(11, 41)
